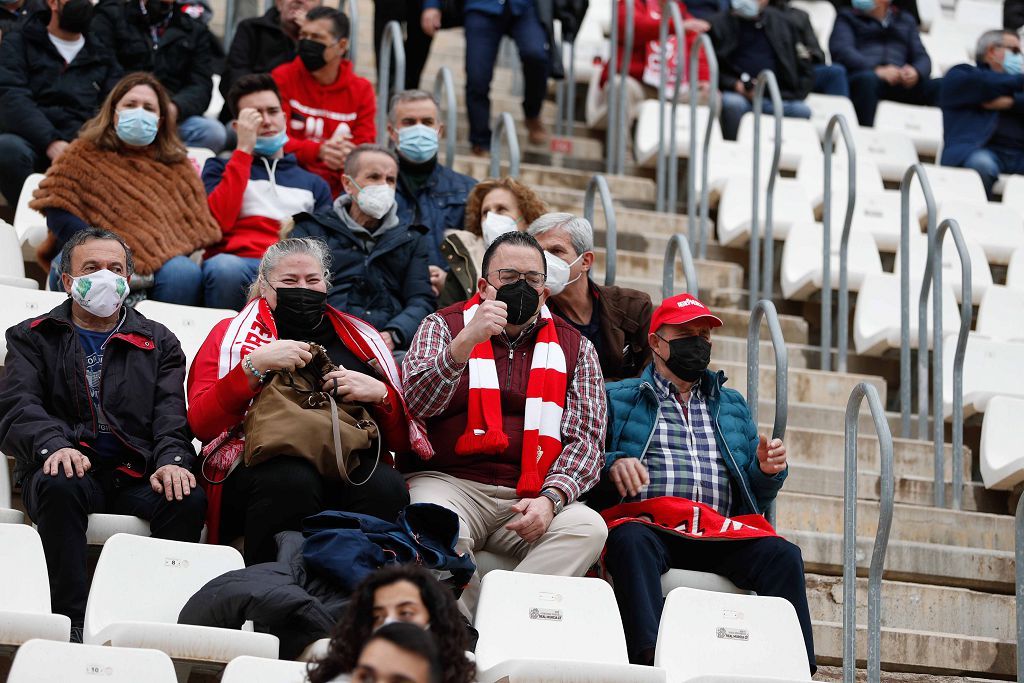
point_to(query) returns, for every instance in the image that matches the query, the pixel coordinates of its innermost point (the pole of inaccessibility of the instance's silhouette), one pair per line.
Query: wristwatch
(555, 497)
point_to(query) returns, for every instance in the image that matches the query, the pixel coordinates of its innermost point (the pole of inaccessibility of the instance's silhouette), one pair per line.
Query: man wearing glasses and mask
(513, 402)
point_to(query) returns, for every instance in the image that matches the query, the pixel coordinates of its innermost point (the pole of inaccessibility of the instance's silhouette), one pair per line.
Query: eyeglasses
(510, 276)
(1014, 50)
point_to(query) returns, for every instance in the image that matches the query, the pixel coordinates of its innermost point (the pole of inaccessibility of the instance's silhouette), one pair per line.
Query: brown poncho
(159, 209)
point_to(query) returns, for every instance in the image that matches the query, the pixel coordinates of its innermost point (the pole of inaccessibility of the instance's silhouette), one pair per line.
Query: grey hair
(409, 96)
(987, 40)
(352, 160)
(309, 246)
(581, 233)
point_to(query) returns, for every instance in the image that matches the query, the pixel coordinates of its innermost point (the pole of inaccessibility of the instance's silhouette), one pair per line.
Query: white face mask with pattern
(100, 293)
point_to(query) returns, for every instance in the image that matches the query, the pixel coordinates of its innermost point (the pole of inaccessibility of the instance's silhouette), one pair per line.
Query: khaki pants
(571, 545)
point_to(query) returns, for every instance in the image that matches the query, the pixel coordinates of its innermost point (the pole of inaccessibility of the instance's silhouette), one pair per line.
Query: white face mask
(375, 200)
(496, 224)
(100, 293)
(558, 273)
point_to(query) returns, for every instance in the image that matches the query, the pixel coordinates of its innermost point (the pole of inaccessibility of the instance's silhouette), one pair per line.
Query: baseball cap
(682, 309)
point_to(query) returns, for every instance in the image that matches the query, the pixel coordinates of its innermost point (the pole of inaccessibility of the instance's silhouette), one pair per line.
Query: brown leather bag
(292, 416)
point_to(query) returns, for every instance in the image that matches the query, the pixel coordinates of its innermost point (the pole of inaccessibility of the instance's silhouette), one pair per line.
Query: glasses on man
(1015, 49)
(510, 276)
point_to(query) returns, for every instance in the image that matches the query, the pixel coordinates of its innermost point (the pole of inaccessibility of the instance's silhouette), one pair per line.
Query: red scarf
(689, 519)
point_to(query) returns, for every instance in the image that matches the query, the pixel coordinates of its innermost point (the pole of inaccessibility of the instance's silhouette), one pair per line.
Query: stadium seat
(893, 152)
(876, 318)
(799, 139)
(791, 206)
(705, 581)
(44, 661)
(822, 16)
(102, 526)
(1001, 315)
(812, 175)
(947, 182)
(979, 13)
(981, 275)
(705, 636)
(140, 586)
(824, 107)
(198, 156)
(996, 227)
(552, 628)
(923, 125)
(190, 324)
(1002, 460)
(645, 147)
(945, 47)
(20, 304)
(259, 670)
(29, 223)
(928, 11)
(1015, 270)
(962, 33)
(991, 368)
(801, 270)
(315, 650)
(8, 515)
(591, 46)
(876, 213)
(12, 264)
(216, 100)
(25, 590)
(1013, 193)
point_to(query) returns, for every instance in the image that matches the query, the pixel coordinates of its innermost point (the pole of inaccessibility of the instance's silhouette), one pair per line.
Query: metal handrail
(565, 96)
(699, 241)
(599, 185)
(885, 511)
(765, 309)
(353, 29)
(390, 43)
(504, 127)
(667, 170)
(615, 141)
(677, 244)
(444, 84)
(826, 242)
(1019, 553)
(764, 79)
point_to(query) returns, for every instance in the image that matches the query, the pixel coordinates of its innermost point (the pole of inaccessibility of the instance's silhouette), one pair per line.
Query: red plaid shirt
(432, 375)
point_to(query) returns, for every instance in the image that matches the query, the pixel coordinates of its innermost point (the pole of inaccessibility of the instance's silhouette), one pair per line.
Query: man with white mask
(614, 319)
(93, 409)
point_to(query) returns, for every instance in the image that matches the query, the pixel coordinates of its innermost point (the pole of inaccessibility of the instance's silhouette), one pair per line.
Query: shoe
(76, 634)
(538, 134)
(479, 151)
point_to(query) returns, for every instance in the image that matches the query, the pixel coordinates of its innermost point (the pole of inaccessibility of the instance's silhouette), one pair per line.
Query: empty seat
(20, 304)
(552, 628)
(893, 152)
(198, 156)
(190, 324)
(957, 34)
(991, 368)
(876, 317)
(799, 139)
(947, 182)
(791, 206)
(29, 223)
(877, 213)
(216, 99)
(12, 265)
(260, 670)
(706, 636)
(125, 610)
(981, 275)
(801, 270)
(923, 125)
(822, 16)
(1002, 460)
(812, 175)
(1013, 193)
(25, 590)
(1001, 315)
(978, 12)
(1015, 270)
(996, 227)
(44, 661)
(928, 11)
(824, 107)
(645, 147)
(8, 515)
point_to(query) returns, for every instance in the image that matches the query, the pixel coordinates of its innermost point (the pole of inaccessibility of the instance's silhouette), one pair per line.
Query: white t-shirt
(68, 49)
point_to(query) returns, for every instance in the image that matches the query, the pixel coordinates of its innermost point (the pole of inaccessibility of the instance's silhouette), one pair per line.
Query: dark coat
(44, 395)
(801, 23)
(259, 45)
(43, 99)
(11, 19)
(570, 14)
(966, 125)
(860, 42)
(1013, 14)
(440, 205)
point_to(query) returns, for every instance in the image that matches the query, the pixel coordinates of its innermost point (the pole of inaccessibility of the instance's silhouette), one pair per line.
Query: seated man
(829, 79)
(752, 37)
(252, 192)
(983, 110)
(513, 402)
(677, 437)
(117, 442)
(329, 108)
(614, 319)
(880, 46)
(379, 263)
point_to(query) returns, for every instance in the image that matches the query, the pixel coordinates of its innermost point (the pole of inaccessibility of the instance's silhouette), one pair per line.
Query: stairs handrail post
(390, 45)
(765, 310)
(699, 240)
(444, 93)
(504, 127)
(826, 237)
(765, 79)
(599, 185)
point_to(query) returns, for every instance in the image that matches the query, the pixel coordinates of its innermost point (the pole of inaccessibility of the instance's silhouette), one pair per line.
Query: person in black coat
(829, 79)
(12, 14)
(1013, 14)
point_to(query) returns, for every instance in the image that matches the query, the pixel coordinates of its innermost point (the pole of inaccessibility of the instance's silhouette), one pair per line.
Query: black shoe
(76, 634)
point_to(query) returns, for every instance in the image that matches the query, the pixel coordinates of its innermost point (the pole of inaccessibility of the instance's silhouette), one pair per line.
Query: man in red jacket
(330, 110)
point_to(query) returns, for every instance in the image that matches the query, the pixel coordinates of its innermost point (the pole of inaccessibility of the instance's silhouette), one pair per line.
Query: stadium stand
(25, 592)
(39, 661)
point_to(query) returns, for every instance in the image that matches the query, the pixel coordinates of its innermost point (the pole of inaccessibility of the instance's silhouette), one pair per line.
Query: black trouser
(417, 43)
(60, 506)
(278, 494)
(637, 555)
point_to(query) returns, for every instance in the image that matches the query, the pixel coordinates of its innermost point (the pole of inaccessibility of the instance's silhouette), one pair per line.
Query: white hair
(309, 246)
(581, 233)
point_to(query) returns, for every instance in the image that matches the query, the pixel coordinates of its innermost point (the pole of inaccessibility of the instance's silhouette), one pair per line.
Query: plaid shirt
(682, 459)
(431, 376)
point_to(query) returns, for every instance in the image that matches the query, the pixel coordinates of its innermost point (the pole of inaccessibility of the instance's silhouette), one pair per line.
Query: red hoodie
(315, 111)
(646, 26)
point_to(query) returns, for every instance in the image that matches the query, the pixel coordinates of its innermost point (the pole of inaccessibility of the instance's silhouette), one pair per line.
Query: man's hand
(696, 26)
(490, 319)
(537, 514)
(73, 462)
(173, 481)
(629, 476)
(334, 152)
(438, 276)
(248, 128)
(888, 73)
(430, 21)
(771, 456)
(281, 354)
(389, 341)
(999, 104)
(909, 76)
(56, 148)
(349, 385)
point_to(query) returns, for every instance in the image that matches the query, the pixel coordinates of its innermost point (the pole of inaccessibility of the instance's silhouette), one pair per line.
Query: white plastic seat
(791, 206)
(947, 182)
(996, 227)
(1015, 270)
(876, 213)
(799, 139)
(12, 264)
(824, 107)
(991, 368)
(645, 144)
(812, 175)
(259, 670)
(198, 156)
(25, 590)
(140, 586)
(981, 274)
(978, 12)
(928, 11)
(43, 661)
(190, 324)
(216, 100)
(945, 51)
(1002, 461)
(315, 651)
(20, 304)
(962, 33)
(801, 269)
(8, 515)
(552, 628)
(1013, 193)
(893, 152)
(822, 16)
(876, 317)
(923, 125)
(29, 223)
(1001, 315)
(707, 636)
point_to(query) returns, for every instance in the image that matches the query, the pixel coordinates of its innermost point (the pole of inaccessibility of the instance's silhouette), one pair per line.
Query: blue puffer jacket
(966, 124)
(440, 205)
(860, 42)
(633, 414)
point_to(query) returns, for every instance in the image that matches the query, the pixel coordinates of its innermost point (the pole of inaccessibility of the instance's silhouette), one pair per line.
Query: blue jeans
(866, 89)
(19, 161)
(483, 35)
(735, 105)
(199, 131)
(830, 79)
(179, 281)
(989, 162)
(226, 280)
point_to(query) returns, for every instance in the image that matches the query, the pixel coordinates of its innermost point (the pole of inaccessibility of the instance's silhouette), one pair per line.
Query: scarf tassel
(492, 442)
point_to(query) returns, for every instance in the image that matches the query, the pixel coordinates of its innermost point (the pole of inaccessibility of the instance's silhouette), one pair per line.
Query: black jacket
(44, 394)
(570, 14)
(259, 45)
(1013, 14)
(43, 99)
(11, 19)
(806, 37)
(794, 74)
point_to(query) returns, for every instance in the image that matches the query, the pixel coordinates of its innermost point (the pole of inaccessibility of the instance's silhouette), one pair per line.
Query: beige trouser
(571, 545)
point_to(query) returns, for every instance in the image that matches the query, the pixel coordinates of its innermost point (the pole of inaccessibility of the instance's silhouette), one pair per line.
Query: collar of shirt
(665, 388)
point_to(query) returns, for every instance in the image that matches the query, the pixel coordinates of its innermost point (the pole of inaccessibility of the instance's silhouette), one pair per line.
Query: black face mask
(688, 357)
(299, 309)
(157, 10)
(312, 54)
(522, 301)
(75, 16)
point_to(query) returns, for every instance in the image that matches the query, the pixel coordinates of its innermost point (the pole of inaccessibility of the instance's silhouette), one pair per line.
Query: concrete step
(805, 386)
(794, 328)
(834, 674)
(633, 264)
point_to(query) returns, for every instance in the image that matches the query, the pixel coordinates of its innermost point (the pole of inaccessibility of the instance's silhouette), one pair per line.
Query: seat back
(5, 483)
(923, 125)
(547, 617)
(1002, 463)
(981, 274)
(1001, 315)
(190, 324)
(991, 368)
(824, 107)
(29, 223)
(998, 228)
(1015, 270)
(893, 152)
(246, 669)
(24, 586)
(709, 633)
(11, 263)
(198, 157)
(20, 304)
(42, 661)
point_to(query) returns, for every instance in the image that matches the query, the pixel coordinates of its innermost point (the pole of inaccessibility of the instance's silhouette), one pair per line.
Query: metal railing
(1019, 564)
(885, 511)
(667, 169)
(352, 9)
(444, 93)
(391, 43)
(765, 79)
(826, 246)
(678, 245)
(504, 127)
(618, 113)
(699, 239)
(598, 185)
(565, 96)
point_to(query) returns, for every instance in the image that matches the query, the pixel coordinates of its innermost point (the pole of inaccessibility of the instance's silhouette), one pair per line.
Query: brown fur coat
(159, 209)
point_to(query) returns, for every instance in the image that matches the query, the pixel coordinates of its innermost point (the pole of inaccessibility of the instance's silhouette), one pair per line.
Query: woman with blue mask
(130, 174)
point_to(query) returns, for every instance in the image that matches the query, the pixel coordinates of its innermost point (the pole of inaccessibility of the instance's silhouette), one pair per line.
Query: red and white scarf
(545, 402)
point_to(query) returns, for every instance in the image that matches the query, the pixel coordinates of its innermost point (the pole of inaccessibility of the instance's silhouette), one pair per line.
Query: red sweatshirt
(315, 111)
(646, 25)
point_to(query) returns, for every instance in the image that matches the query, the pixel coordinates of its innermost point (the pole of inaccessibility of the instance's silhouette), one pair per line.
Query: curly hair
(355, 628)
(531, 206)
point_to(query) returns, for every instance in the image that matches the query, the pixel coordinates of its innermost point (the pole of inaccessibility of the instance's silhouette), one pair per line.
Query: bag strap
(336, 429)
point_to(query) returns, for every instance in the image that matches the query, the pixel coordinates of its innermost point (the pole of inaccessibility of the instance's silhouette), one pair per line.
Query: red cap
(682, 309)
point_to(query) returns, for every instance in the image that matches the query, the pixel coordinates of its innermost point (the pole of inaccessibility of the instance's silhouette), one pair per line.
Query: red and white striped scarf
(545, 401)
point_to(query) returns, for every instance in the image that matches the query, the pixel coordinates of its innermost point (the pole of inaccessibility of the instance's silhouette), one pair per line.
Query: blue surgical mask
(137, 127)
(863, 5)
(748, 9)
(417, 143)
(1012, 62)
(268, 145)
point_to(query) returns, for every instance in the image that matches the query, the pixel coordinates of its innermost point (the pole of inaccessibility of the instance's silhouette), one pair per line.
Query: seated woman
(288, 308)
(129, 173)
(493, 207)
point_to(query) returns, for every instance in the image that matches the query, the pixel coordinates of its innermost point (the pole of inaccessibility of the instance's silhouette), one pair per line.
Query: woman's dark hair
(355, 628)
(414, 640)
